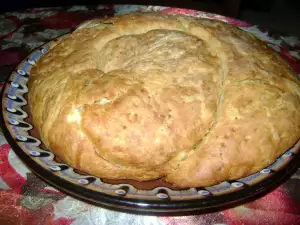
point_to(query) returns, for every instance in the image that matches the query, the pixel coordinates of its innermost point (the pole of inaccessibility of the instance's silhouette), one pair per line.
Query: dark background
(281, 15)
(221, 6)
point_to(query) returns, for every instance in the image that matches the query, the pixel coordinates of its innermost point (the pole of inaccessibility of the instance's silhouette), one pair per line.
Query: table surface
(26, 199)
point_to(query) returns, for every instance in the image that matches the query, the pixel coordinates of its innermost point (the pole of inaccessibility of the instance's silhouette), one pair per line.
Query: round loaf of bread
(146, 96)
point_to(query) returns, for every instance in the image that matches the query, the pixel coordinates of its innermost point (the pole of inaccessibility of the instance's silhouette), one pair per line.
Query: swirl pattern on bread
(145, 96)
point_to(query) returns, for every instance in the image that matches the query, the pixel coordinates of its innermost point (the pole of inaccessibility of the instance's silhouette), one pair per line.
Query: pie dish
(151, 197)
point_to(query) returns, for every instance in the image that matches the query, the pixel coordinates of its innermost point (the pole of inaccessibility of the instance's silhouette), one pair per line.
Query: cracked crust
(144, 96)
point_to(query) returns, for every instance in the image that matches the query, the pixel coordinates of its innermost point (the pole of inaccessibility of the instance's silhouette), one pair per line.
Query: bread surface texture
(145, 96)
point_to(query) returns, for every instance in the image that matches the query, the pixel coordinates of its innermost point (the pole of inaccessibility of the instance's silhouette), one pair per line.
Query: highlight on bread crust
(144, 96)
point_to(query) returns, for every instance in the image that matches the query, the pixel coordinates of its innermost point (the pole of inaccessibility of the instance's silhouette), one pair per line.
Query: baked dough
(145, 96)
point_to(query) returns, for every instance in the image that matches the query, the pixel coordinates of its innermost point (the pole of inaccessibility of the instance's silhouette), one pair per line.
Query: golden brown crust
(143, 96)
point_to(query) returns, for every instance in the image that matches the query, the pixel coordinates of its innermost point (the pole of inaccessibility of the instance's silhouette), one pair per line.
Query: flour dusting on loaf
(145, 96)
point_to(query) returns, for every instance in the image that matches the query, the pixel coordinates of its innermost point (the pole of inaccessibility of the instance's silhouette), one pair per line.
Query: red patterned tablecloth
(26, 199)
